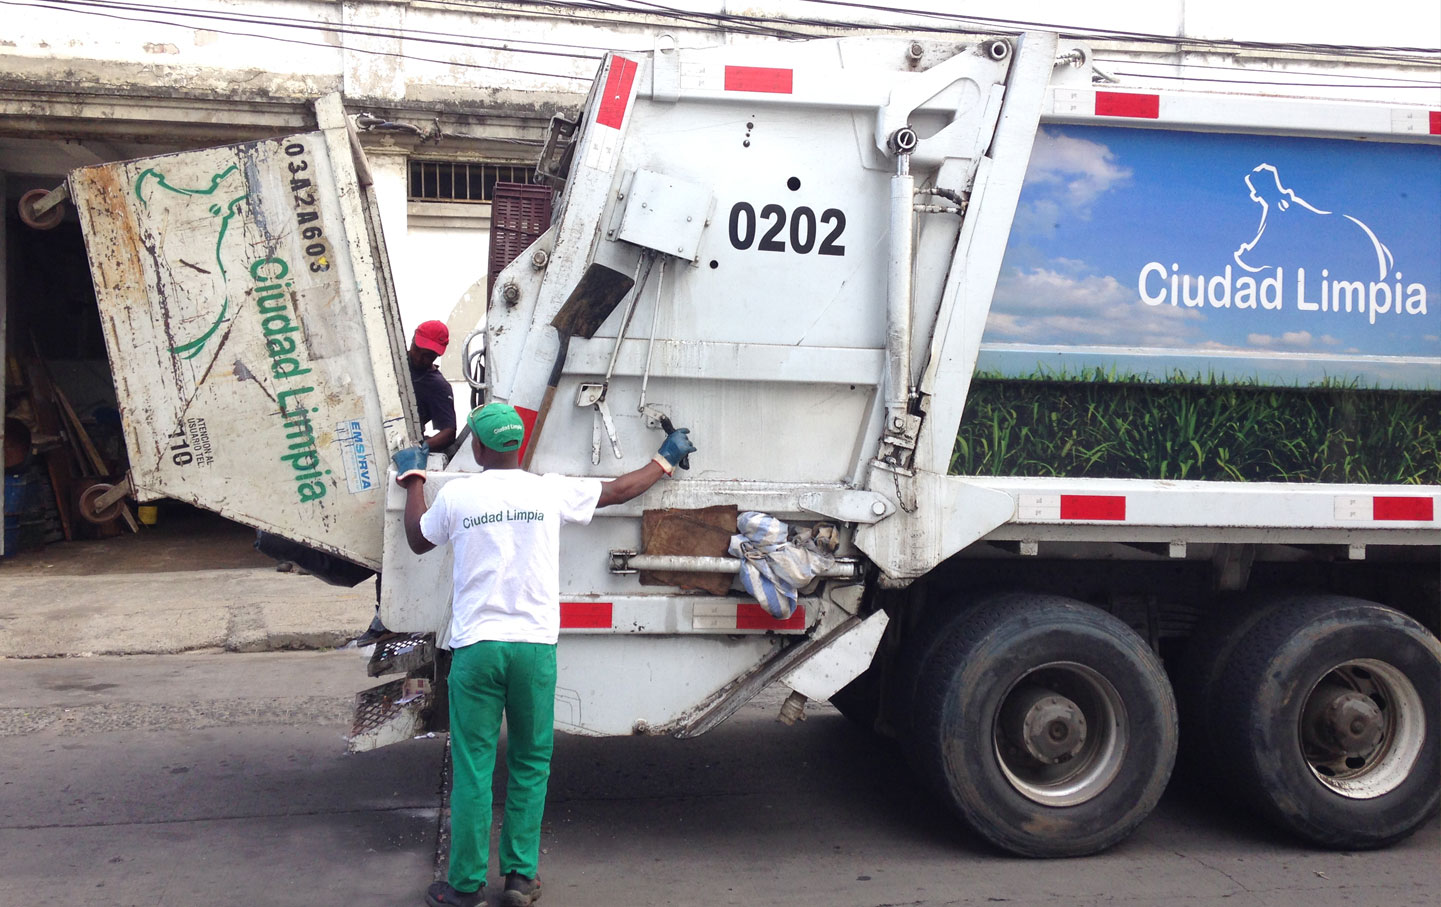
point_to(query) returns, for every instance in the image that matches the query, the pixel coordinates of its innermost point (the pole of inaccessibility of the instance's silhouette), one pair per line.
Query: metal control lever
(593, 395)
(654, 418)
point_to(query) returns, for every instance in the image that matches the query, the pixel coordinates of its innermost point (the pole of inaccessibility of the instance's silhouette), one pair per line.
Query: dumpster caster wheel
(47, 221)
(88, 511)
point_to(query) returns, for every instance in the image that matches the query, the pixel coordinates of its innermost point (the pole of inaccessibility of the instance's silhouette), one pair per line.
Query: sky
(1117, 229)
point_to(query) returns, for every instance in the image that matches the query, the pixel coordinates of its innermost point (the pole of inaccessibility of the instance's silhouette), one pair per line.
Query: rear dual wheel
(1323, 716)
(1047, 724)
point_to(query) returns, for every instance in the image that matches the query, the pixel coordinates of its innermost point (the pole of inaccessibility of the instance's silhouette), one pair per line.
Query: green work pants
(486, 680)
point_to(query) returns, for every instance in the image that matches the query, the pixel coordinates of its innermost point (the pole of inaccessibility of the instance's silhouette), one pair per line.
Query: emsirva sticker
(357, 455)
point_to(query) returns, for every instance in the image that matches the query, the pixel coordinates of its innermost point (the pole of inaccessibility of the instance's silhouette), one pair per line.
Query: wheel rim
(1060, 734)
(1362, 728)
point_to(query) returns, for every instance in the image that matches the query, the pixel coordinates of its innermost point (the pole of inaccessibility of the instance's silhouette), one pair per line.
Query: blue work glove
(675, 451)
(410, 461)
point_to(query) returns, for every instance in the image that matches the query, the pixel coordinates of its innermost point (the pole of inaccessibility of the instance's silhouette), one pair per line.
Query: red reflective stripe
(757, 78)
(585, 615)
(617, 93)
(1093, 507)
(750, 616)
(1436, 122)
(527, 418)
(1403, 508)
(1126, 104)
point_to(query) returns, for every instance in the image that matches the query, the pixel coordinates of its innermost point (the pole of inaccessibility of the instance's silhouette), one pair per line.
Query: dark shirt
(433, 397)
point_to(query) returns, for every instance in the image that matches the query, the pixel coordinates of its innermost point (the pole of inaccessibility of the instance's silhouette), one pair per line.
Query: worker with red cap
(433, 395)
(436, 402)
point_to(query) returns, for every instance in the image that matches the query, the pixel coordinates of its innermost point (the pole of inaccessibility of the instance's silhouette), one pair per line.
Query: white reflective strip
(1353, 507)
(713, 617)
(1269, 115)
(1073, 102)
(697, 76)
(604, 144)
(1038, 507)
(1412, 121)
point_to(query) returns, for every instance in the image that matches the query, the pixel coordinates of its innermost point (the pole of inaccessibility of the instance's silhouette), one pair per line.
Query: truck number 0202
(803, 233)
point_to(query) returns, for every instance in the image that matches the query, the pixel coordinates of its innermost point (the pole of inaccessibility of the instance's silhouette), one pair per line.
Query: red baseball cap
(433, 336)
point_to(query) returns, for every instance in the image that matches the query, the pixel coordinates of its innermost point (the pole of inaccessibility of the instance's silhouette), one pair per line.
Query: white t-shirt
(504, 525)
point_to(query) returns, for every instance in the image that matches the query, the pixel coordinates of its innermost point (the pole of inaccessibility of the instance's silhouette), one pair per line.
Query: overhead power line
(602, 11)
(73, 7)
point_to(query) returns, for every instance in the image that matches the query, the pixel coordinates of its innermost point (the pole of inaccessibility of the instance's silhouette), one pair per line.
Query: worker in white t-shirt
(504, 527)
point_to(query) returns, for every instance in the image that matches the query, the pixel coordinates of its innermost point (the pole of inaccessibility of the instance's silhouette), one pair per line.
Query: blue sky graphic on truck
(1291, 260)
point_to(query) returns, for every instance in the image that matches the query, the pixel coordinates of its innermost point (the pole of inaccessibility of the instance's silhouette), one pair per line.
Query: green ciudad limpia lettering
(285, 364)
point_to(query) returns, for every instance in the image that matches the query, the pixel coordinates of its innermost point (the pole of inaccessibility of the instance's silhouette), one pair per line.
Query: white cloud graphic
(1293, 340)
(1082, 169)
(1046, 306)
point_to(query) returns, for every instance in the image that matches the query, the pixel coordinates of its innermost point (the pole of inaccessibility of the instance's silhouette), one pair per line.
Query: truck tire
(1048, 724)
(1329, 714)
(1199, 669)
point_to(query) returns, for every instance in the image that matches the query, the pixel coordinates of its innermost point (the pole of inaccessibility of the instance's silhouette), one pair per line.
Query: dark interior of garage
(64, 444)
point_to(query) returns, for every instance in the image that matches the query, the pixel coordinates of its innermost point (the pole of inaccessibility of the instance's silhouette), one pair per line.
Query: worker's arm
(414, 510)
(441, 439)
(676, 447)
(410, 475)
(632, 484)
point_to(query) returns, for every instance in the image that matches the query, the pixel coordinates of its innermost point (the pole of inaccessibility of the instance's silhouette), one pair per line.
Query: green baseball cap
(497, 425)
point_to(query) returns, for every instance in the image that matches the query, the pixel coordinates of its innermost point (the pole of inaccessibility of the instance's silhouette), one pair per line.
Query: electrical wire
(571, 10)
(384, 32)
(1430, 83)
(1298, 82)
(1129, 35)
(1350, 85)
(299, 41)
(374, 31)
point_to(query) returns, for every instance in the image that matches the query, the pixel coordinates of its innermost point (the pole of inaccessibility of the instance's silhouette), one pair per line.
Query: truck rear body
(1045, 354)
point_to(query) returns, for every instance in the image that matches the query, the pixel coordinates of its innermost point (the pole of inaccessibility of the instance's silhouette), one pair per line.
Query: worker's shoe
(440, 894)
(519, 891)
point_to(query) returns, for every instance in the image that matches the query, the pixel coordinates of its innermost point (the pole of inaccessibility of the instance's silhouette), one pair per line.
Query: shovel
(600, 290)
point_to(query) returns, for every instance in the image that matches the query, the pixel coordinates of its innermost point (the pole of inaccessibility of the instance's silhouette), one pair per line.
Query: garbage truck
(1115, 408)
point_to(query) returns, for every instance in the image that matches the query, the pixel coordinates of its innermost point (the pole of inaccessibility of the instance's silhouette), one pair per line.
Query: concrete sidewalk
(237, 610)
(196, 585)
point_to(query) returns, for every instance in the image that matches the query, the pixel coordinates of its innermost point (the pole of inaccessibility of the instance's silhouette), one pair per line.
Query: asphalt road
(221, 779)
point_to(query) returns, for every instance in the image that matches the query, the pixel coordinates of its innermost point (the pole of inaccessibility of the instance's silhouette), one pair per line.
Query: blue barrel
(19, 495)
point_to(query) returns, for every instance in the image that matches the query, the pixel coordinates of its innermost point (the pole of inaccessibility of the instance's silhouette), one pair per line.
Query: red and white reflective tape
(759, 79)
(1264, 114)
(615, 97)
(728, 616)
(1128, 104)
(743, 616)
(1386, 508)
(610, 111)
(587, 616)
(1422, 122)
(1083, 507)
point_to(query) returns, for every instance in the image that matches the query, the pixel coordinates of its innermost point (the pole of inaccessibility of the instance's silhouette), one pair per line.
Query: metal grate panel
(402, 654)
(384, 716)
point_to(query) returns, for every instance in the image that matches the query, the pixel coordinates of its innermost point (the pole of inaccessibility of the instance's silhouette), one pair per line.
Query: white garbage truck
(1105, 420)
